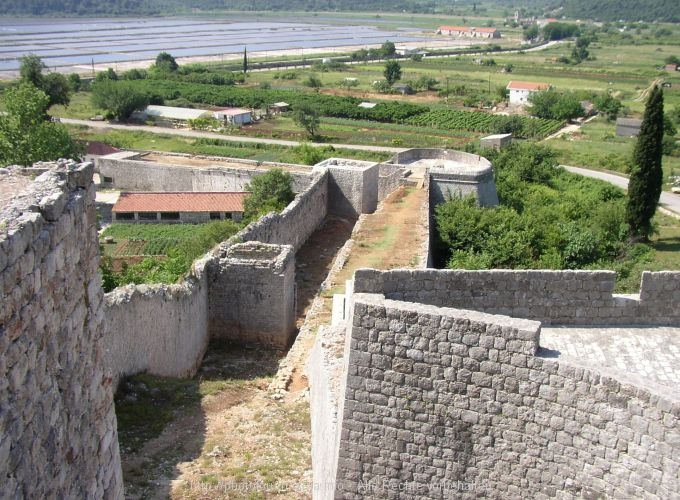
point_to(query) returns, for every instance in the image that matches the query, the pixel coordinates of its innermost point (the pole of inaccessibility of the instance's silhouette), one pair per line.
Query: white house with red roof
(520, 91)
(470, 32)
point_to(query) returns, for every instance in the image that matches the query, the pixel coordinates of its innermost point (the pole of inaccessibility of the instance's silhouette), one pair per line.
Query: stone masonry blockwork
(552, 297)
(444, 403)
(58, 436)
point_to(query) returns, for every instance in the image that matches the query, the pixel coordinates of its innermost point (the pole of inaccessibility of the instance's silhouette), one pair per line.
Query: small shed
(671, 67)
(234, 116)
(628, 127)
(279, 107)
(496, 141)
(367, 105)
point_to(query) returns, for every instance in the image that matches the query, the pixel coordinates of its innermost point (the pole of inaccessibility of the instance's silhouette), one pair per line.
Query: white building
(520, 91)
(234, 116)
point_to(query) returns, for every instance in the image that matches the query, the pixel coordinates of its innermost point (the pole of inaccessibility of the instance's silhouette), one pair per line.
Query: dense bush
(547, 218)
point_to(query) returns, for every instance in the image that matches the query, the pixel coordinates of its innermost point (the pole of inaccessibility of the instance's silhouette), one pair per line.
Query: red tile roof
(465, 29)
(528, 86)
(180, 202)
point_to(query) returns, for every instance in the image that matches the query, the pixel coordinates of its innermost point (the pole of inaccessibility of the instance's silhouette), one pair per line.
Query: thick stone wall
(58, 436)
(557, 297)
(160, 329)
(131, 172)
(445, 186)
(252, 295)
(415, 154)
(389, 179)
(325, 370)
(444, 403)
(352, 186)
(297, 221)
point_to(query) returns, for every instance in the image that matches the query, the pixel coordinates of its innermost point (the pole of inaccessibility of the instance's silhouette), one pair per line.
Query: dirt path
(251, 437)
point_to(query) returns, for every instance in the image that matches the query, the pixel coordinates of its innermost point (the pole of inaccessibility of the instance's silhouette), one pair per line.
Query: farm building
(234, 116)
(520, 91)
(279, 107)
(172, 114)
(463, 31)
(671, 67)
(628, 127)
(496, 141)
(178, 207)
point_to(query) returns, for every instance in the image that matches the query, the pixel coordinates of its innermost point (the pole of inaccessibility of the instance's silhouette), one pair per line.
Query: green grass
(596, 146)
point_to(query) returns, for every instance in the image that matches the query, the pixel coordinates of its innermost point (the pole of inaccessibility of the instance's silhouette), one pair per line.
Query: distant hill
(602, 10)
(159, 7)
(627, 10)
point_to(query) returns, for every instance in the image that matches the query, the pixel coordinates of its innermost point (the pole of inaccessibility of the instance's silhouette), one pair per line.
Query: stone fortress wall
(165, 329)
(58, 434)
(411, 398)
(130, 171)
(453, 174)
(423, 393)
(552, 297)
(444, 403)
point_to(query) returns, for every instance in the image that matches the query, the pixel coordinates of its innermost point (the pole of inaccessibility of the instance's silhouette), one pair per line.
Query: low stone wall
(444, 403)
(297, 221)
(557, 297)
(58, 434)
(160, 329)
(415, 154)
(129, 171)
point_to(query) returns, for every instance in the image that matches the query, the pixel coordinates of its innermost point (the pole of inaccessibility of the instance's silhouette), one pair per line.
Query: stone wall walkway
(650, 356)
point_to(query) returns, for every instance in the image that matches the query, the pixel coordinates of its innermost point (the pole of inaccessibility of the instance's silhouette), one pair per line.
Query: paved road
(649, 354)
(235, 138)
(669, 201)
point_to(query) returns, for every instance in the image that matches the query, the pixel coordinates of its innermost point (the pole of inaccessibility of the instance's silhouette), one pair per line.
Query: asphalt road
(234, 138)
(669, 201)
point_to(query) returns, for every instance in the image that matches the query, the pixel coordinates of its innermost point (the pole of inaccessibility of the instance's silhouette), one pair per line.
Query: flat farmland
(75, 45)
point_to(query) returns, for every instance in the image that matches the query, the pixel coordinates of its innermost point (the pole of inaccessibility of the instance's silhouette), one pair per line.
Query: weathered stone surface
(58, 436)
(558, 297)
(512, 427)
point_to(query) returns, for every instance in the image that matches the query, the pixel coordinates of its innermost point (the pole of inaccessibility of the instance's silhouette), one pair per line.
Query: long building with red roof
(470, 32)
(178, 207)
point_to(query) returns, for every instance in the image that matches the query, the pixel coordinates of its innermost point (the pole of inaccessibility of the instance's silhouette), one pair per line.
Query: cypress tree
(245, 61)
(646, 179)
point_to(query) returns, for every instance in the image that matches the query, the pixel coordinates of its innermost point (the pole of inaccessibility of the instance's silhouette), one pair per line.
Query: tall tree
(165, 63)
(308, 118)
(269, 192)
(245, 61)
(646, 179)
(119, 99)
(55, 85)
(25, 135)
(392, 71)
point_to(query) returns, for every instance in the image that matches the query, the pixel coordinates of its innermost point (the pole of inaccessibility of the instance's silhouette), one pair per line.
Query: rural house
(520, 91)
(178, 207)
(472, 32)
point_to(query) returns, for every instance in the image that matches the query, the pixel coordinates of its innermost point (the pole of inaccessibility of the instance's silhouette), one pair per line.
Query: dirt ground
(194, 161)
(248, 440)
